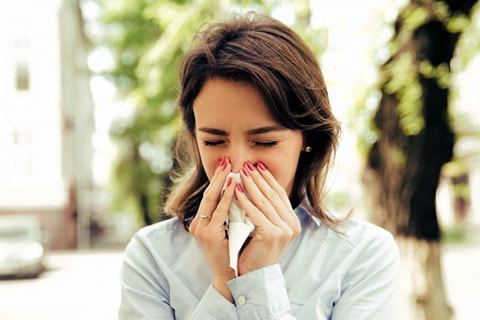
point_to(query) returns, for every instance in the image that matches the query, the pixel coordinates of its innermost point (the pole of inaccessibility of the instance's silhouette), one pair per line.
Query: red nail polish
(250, 166)
(245, 172)
(218, 163)
(239, 187)
(261, 166)
(224, 165)
(229, 181)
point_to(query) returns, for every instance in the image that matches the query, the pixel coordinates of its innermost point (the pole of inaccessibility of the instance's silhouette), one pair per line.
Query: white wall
(31, 168)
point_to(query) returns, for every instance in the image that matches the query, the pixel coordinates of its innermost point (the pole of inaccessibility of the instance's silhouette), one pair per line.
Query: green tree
(414, 141)
(147, 38)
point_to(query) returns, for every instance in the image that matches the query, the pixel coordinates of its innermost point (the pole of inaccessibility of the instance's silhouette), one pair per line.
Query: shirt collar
(305, 212)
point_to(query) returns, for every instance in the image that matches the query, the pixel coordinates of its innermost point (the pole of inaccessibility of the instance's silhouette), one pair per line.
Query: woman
(254, 102)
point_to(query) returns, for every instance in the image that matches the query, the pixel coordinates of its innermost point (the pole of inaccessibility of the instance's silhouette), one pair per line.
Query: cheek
(209, 161)
(283, 168)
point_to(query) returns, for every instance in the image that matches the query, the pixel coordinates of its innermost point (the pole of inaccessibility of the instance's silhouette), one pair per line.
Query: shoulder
(162, 234)
(357, 231)
(350, 233)
(356, 240)
(369, 241)
(171, 225)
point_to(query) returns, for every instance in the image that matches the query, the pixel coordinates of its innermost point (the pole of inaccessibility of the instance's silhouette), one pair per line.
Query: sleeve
(147, 293)
(371, 287)
(144, 291)
(214, 307)
(261, 294)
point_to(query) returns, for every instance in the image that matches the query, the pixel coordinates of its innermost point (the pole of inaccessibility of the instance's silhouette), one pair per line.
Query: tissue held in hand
(239, 226)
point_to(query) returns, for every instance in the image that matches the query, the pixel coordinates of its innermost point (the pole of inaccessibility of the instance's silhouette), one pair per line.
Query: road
(461, 266)
(85, 286)
(76, 286)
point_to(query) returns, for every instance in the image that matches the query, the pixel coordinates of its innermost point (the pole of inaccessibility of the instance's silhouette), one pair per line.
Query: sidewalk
(461, 269)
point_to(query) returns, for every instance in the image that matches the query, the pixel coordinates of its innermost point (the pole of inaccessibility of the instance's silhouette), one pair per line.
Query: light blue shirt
(324, 274)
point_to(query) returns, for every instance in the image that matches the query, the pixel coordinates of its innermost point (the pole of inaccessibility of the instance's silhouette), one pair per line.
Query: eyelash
(212, 143)
(256, 144)
(265, 144)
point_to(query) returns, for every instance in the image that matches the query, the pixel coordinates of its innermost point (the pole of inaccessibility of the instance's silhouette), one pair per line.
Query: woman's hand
(208, 227)
(269, 209)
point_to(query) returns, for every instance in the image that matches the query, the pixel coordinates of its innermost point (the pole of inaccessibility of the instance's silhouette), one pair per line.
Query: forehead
(223, 101)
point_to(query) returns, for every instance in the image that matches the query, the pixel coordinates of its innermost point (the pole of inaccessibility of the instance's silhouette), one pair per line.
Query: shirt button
(241, 300)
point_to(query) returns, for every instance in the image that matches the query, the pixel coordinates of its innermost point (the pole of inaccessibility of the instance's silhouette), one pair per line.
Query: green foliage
(454, 234)
(415, 16)
(402, 81)
(147, 39)
(129, 34)
(454, 169)
(441, 73)
(338, 201)
(468, 48)
(469, 42)
(362, 120)
(458, 23)
(400, 76)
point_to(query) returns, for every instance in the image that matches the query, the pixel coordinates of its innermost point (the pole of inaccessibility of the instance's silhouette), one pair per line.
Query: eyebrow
(255, 131)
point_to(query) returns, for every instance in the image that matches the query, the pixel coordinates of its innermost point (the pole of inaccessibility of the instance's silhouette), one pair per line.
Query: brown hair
(271, 57)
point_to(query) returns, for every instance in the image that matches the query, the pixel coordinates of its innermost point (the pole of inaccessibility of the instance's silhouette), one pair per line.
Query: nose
(238, 155)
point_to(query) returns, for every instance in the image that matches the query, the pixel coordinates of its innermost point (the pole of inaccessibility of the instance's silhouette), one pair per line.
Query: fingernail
(218, 163)
(261, 166)
(250, 166)
(224, 165)
(239, 187)
(229, 181)
(245, 172)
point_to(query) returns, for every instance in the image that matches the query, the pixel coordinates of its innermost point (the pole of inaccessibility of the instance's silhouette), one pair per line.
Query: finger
(221, 211)
(273, 183)
(262, 195)
(254, 214)
(212, 194)
(274, 193)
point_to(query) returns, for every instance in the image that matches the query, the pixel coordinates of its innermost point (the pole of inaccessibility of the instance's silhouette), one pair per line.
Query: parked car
(22, 246)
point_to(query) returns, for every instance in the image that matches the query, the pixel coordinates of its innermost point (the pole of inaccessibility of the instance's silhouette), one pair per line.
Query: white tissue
(238, 226)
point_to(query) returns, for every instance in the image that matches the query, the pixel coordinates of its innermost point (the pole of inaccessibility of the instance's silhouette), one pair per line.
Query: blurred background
(88, 120)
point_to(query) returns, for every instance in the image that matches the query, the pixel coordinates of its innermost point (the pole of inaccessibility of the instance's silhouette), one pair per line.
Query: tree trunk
(422, 286)
(414, 142)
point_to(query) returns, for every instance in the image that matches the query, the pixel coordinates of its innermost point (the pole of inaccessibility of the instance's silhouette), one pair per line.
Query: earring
(308, 149)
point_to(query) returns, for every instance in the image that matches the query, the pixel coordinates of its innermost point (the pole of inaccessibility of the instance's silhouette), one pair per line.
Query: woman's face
(231, 119)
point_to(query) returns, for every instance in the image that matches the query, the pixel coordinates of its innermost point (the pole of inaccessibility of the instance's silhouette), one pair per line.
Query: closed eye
(212, 143)
(215, 143)
(264, 144)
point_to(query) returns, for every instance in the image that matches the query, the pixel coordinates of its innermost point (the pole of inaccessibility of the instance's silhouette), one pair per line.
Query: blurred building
(46, 118)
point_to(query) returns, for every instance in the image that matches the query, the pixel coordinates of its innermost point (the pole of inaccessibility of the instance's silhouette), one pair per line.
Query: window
(22, 64)
(22, 76)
